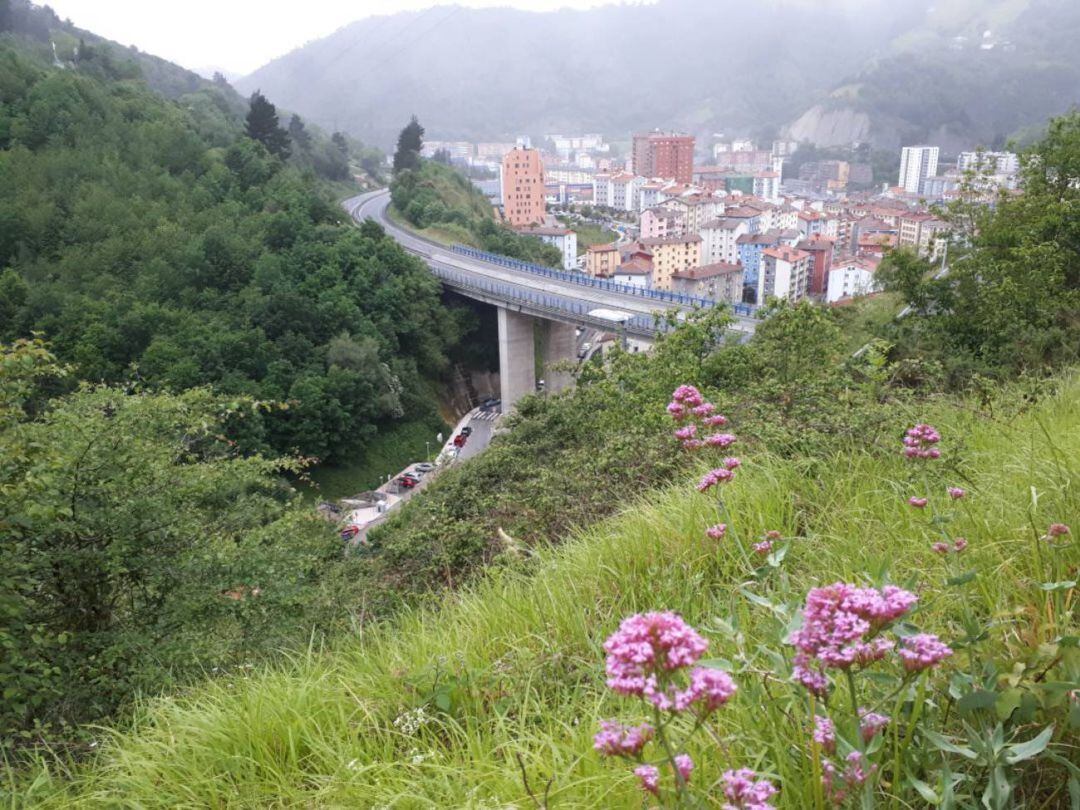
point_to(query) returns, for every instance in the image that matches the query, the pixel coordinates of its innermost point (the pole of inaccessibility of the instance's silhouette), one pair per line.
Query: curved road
(521, 290)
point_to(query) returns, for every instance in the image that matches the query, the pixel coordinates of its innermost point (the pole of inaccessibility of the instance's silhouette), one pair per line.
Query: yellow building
(601, 261)
(671, 255)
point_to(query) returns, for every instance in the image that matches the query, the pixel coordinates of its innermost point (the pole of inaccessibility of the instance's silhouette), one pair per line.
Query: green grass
(389, 452)
(516, 659)
(589, 233)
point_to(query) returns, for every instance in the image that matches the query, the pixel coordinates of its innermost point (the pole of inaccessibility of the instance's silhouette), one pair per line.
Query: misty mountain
(974, 72)
(699, 65)
(829, 72)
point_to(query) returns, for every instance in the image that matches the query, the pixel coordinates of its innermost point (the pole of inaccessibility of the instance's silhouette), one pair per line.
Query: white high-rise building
(1000, 163)
(916, 164)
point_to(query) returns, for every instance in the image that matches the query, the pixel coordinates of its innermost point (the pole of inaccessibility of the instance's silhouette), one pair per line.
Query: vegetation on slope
(139, 550)
(440, 709)
(152, 241)
(445, 205)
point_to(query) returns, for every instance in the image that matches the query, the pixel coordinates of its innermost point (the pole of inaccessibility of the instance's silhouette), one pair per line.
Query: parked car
(407, 481)
(466, 431)
(460, 439)
(424, 467)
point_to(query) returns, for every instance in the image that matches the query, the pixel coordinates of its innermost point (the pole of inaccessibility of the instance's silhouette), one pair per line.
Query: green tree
(410, 143)
(298, 133)
(262, 126)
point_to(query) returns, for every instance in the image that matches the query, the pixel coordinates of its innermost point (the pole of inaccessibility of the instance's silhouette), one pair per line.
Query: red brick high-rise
(667, 155)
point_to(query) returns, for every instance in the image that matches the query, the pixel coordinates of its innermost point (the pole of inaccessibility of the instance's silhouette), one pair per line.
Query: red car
(407, 481)
(460, 439)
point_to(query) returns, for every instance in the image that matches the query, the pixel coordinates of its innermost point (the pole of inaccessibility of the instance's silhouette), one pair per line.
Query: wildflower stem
(661, 735)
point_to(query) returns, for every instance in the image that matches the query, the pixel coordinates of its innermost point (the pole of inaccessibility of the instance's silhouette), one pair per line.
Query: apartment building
(523, 191)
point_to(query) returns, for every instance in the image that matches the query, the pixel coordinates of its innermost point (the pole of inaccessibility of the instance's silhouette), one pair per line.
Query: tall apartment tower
(916, 164)
(667, 155)
(523, 187)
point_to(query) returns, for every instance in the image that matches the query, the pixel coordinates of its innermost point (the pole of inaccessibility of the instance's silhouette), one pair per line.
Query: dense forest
(154, 243)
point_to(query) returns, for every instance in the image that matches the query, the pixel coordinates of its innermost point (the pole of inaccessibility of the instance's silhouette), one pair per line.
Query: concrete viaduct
(529, 296)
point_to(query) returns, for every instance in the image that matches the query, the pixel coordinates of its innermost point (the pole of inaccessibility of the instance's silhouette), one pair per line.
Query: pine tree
(262, 126)
(299, 134)
(341, 143)
(410, 142)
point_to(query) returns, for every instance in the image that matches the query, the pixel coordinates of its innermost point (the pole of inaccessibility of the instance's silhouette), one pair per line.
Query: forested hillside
(153, 243)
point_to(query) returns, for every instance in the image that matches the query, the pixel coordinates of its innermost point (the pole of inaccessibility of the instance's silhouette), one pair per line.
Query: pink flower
(956, 493)
(825, 733)
(744, 791)
(646, 644)
(685, 433)
(649, 777)
(717, 532)
(918, 442)
(730, 463)
(918, 503)
(687, 395)
(922, 651)
(959, 544)
(684, 765)
(704, 409)
(764, 547)
(940, 548)
(714, 477)
(615, 739)
(716, 420)
(773, 534)
(693, 444)
(1057, 530)
(839, 621)
(870, 723)
(720, 440)
(677, 411)
(710, 688)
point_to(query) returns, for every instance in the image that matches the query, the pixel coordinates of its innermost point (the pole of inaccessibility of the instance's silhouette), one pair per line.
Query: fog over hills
(877, 71)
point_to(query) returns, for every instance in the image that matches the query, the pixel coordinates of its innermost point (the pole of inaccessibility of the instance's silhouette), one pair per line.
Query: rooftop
(671, 240)
(709, 271)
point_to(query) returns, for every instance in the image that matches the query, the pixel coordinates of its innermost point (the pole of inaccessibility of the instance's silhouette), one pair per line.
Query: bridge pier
(559, 343)
(517, 357)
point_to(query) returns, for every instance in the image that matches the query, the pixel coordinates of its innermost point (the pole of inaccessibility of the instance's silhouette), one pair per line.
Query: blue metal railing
(746, 310)
(639, 324)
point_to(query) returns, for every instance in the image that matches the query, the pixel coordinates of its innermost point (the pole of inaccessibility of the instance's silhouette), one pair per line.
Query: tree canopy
(262, 126)
(409, 145)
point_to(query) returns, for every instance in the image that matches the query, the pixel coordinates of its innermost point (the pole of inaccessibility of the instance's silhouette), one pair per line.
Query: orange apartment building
(523, 188)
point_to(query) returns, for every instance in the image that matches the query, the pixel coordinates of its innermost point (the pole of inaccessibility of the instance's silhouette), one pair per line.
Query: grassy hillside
(439, 709)
(444, 205)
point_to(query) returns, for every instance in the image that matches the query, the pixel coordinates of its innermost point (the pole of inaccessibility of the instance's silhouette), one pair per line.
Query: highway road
(539, 292)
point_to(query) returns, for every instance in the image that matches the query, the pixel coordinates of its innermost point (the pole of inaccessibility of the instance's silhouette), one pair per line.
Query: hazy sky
(241, 35)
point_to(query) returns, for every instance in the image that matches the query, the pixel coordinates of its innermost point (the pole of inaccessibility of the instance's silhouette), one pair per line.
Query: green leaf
(962, 579)
(979, 699)
(717, 663)
(1031, 748)
(924, 790)
(1058, 586)
(1008, 702)
(942, 744)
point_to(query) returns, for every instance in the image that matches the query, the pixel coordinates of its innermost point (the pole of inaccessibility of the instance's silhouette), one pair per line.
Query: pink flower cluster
(919, 442)
(918, 503)
(839, 784)
(744, 791)
(649, 775)
(720, 475)
(615, 739)
(871, 723)
(841, 627)
(922, 651)
(687, 406)
(648, 648)
(956, 493)
(1055, 531)
(716, 532)
(958, 545)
